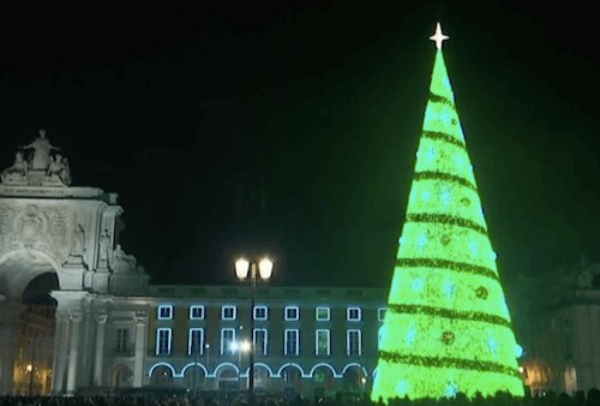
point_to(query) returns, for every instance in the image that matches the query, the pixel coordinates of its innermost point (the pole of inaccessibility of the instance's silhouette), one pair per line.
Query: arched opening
(323, 381)
(195, 379)
(261, 377)
(291, 380)
(27, 277)
(121, 377)
(161, 376)
(228, 379)
(354, 379)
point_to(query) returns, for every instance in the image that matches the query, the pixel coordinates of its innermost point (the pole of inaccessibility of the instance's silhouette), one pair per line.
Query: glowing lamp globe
(265, 268)
(242, 266)
(245, 346)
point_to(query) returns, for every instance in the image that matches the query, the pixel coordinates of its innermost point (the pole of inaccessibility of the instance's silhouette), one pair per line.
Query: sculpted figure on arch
(41, 152)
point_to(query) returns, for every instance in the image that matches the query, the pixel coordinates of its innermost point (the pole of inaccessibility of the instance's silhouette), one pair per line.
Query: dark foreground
(591, 398)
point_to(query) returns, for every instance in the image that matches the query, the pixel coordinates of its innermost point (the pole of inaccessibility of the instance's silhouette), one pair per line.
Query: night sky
(293, 130)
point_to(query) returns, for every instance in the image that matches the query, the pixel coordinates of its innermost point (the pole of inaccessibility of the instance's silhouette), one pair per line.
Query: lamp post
(31, 366)
(243, 267)
(30, 370)
(207, 352)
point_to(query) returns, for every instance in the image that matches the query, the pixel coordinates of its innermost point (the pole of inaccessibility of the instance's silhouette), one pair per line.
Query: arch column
(59, 362)
(140, 348)
(75, 322)
(68, 336)
(101, 320)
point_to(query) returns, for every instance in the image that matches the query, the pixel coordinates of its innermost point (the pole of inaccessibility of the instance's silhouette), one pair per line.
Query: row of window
(260, 338)
(290, 313)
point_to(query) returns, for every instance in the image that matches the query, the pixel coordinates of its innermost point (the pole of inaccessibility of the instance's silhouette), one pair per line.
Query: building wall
(304, 373)
(564, 352)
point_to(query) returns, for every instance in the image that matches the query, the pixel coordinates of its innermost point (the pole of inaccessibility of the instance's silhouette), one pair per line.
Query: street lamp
(30, 370)
(265, 270)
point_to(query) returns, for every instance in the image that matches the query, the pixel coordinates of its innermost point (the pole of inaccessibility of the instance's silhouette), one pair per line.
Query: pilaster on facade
(101, 318)
(140, 344)
(74, 359)
(61, 341)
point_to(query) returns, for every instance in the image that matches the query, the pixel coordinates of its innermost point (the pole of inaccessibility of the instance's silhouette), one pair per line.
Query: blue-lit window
(353, 314)
(353, 343)
(381, 313)
(291, 313)
(261, 341)
(196, 341)
(227, 340)
(196, 312)
(322, 314)
(228, 313)
(165, 312)
(291, 344)
(261, 313)
(163, 341)
(322, 343)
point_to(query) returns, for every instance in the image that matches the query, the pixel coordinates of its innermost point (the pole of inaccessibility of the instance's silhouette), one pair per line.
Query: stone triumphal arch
(48, 226)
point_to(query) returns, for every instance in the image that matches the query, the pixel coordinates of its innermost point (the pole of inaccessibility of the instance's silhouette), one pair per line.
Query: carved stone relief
(48, 229)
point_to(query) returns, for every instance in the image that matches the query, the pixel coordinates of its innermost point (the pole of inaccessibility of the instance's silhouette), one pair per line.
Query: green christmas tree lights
(448, 328)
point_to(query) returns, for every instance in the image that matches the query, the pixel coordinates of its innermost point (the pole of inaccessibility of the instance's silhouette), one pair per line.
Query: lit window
(292, 313)
(165, 312)
(196, 312)
(163, 341)
(196, 341)
(322, 314)
(291, 345)
(227, 340)
(122, 343)
(260, 313)
(228, 313)
(353, 344)
(381, 313)
(353, 314)
(322, 343)
(260, 338)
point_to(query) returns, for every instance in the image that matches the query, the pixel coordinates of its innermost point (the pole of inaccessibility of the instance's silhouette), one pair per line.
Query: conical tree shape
(447, 328)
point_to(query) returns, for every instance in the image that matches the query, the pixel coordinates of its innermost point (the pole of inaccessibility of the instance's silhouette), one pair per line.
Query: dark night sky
(190, 117)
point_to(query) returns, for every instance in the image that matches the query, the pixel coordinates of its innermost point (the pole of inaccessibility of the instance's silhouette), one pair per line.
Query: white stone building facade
(563, 351)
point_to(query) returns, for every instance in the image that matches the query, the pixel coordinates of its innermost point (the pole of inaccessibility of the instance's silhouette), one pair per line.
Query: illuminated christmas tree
(447, 328)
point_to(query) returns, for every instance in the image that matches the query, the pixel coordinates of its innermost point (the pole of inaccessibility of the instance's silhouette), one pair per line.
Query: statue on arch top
(39, 168)
(41, 154)
(59, 166)
(18, 170)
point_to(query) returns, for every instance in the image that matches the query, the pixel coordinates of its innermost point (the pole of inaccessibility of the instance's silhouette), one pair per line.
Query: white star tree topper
(439, 36)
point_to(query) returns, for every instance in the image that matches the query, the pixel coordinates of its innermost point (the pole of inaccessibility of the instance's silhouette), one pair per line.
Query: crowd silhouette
(591, 398)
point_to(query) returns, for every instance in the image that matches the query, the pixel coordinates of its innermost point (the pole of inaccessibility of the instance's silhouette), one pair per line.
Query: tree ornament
(448, 337)
(481, 292)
